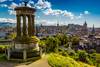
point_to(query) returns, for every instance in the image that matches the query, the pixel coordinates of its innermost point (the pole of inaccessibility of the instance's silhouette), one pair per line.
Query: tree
(52, 44)
(75, 41)
(63, 39)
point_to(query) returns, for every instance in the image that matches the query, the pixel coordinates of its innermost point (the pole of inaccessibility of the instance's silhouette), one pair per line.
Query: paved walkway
(39, 63)
(7, 64)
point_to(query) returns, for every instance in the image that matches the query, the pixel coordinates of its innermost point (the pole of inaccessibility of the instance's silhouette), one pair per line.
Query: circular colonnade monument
(22, 48)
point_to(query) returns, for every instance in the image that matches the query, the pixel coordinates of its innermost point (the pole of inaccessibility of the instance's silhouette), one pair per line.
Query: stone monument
(25, 30)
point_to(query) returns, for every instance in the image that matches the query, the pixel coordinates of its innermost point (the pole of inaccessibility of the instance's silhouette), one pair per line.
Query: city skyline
(51, 12)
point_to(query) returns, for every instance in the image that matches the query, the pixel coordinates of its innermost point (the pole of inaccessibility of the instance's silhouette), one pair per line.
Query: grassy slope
(98, 60)
(56, 60)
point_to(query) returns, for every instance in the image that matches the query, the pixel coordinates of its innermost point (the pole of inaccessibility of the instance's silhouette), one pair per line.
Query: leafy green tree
(52, 44)
(75, 40)
(63, 39)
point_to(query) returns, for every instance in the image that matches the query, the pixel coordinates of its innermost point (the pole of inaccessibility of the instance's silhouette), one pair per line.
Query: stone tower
(85, 24)
(25, 21)
(85, 28)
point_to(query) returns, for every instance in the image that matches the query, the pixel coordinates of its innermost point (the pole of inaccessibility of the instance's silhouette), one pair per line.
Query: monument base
(22, 54)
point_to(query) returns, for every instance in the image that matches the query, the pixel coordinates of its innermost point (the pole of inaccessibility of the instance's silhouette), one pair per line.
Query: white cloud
(46, 8)
(7, 20)
(3, 5)
(43, 21)
(86, 12)
(59, 12)
(52, 12)
(3, 0)
(80, 16)
(13, 5)
(47, 22)
(42, 4)
(12, 12)
(30, 3)
(68, 14)
(11, 8)
(65, 13)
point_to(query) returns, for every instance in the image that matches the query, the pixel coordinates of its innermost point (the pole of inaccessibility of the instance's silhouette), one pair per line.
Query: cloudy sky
(51, 12)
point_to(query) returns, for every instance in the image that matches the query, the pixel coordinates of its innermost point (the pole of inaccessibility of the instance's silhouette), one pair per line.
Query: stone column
(18, 25)
(33, 25)
(29, 25)
(24, 55)
(8, 54)
(24, 26)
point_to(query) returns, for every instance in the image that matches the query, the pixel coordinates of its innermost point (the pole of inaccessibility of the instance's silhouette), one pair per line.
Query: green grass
(56, 60)
(98, 59)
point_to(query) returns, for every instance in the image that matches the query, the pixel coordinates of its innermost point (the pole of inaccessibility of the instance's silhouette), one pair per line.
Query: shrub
(85, 57)
(62, 52)
(28, 40)
(82, 55)
(92, 58)
(12, 36)
(35, 39)
(3, 48)
(2, 57)
(24, 40)
(42, 43)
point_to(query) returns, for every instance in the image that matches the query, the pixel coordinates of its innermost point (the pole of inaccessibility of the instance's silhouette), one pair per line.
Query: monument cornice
(25, 8)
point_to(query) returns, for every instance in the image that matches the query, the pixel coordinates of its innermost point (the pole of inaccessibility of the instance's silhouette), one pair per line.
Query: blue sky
(51, 12)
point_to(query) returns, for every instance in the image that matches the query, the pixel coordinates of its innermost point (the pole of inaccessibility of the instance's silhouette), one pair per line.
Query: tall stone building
(93, 30)
(85, 29)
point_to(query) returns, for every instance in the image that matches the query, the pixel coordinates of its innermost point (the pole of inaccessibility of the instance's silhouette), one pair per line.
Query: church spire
(85, 24)
(93, 30)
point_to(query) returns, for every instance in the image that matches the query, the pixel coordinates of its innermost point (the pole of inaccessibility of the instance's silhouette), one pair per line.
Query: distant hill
(7, 24)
